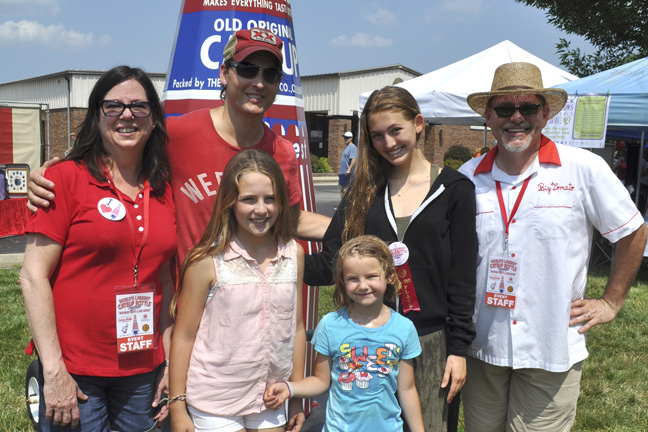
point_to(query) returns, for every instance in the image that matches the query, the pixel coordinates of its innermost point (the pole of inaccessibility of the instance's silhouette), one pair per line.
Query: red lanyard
(137, 251)
(507, 219)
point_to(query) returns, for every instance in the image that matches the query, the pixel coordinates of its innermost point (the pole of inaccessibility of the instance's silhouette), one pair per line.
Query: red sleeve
(54, 221)
(287, 159)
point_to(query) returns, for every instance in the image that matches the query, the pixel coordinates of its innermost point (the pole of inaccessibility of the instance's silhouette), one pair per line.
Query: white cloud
(382, 17)
(31, 6)
(56, 36)
(361, 40)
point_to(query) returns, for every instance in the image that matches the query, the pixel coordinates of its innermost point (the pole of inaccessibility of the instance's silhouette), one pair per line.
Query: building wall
(338, 93)
(439, 138)
(53, 89)
(351, 86)
(320, 94)
(337, 127)
(58, 129)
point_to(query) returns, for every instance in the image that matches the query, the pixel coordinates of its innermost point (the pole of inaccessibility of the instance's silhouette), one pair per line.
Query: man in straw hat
(537, 205)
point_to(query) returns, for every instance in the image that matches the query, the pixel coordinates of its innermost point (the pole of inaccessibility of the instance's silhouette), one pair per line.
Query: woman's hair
(364, 246)
(222, 223)
(88, 147)
(372, 170)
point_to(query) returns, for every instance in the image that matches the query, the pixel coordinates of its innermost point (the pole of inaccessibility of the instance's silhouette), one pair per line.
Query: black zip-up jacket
(442, 244)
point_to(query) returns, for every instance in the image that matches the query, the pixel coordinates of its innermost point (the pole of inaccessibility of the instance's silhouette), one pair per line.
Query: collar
(106, 183)
(91, 179)
(236, 250)
(548, 153)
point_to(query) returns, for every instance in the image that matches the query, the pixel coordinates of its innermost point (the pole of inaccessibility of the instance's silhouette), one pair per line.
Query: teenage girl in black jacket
(399, 196)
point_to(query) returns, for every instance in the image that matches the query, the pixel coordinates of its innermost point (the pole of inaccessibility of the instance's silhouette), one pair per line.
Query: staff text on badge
(501, 300)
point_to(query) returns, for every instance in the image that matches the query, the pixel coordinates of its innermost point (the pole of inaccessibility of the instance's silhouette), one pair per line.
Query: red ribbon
(408, 293)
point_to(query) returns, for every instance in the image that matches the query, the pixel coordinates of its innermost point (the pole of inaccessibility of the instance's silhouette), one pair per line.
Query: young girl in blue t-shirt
(239, 324)
(364, 349)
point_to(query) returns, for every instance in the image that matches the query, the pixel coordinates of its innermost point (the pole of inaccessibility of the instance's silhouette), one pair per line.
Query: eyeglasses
(250, 70)
(115, 109)
(508, 110)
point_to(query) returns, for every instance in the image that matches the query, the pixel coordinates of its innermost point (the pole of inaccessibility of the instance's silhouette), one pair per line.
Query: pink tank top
(246, 335)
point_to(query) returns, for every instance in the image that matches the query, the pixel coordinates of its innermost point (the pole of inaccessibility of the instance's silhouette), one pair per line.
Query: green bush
(453, 163)
(320, 165)
(458, 152)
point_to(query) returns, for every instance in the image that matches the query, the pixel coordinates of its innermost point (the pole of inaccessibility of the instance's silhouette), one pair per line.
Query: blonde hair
(364, 246)
(372, 170)
(222, 223)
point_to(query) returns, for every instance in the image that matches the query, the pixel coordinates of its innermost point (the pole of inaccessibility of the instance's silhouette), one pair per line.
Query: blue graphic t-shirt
(364, 370)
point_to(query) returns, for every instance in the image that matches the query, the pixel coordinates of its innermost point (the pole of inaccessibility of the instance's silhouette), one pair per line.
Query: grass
(14, 336)
(614, 386)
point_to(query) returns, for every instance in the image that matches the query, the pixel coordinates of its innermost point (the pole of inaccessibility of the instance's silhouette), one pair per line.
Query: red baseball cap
(245, 42)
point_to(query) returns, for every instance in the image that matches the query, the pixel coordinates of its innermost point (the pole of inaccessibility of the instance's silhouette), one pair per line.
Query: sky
(40, 37)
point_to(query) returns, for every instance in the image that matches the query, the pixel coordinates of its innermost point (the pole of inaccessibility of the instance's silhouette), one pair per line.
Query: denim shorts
(114, 404)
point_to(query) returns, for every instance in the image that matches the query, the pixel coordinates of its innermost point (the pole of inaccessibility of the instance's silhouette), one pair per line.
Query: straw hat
(515, 79)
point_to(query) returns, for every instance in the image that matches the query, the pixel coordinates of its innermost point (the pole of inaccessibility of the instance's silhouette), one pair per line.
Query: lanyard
(137, 251)
(507, 219)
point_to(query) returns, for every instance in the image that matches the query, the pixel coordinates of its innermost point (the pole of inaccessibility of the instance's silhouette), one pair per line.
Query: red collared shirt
(96, 257)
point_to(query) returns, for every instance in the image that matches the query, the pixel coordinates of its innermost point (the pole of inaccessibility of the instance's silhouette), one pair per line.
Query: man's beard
(515, 146)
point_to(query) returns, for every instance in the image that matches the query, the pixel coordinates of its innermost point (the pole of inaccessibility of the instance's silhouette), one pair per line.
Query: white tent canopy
(441, 94)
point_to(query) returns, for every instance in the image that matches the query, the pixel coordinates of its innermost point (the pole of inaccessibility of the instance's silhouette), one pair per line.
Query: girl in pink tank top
(238, 307)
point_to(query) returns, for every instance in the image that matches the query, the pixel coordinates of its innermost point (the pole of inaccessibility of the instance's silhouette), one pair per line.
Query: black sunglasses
(508, 110)
(115, 109)
(250, 70)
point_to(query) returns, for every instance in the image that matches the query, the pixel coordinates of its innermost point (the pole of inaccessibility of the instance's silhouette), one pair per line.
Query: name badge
(408, 297)
(135, 318)
(502, 280)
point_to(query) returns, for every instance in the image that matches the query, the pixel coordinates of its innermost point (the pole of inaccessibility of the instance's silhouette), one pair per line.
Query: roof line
(359, 71)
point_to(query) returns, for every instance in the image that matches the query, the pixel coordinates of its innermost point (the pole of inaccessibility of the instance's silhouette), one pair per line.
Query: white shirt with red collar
(571, 191)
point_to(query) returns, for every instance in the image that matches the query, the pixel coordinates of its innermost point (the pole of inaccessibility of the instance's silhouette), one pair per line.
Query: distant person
(347, 163)
(364, 348)
(239, 325)
(109, 239)
(427, 217)
(619, 164)
(537, 206)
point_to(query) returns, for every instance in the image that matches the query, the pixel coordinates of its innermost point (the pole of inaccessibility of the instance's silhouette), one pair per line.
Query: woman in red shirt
(96, 276)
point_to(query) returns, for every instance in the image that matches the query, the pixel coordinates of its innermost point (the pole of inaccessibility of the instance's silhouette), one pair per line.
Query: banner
(581, 123)
(20, 139)
(193, 82)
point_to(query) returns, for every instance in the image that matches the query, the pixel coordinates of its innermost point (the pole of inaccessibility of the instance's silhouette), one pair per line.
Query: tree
(616, 28)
